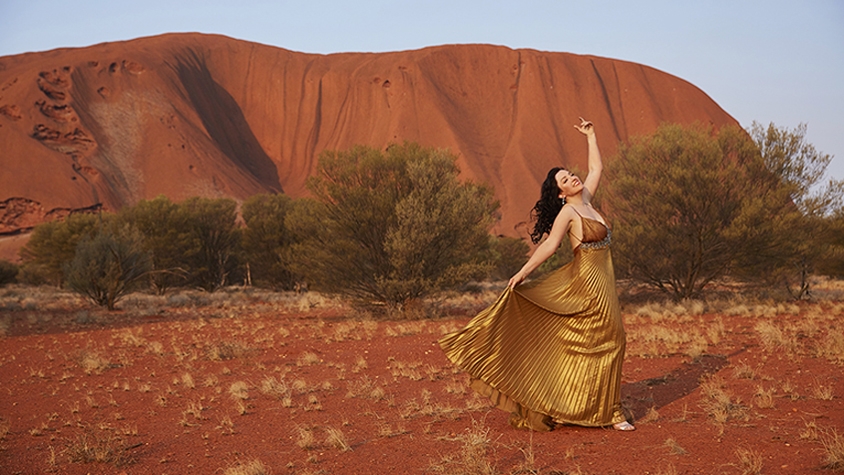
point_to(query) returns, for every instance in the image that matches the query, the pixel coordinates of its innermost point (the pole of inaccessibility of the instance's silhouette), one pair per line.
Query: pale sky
(769, 61)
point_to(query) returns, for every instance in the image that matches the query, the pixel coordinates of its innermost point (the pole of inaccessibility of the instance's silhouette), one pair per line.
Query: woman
(550, 351)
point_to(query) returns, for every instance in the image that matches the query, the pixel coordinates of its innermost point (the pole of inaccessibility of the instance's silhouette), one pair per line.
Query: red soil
(202, 115)
(153, 383)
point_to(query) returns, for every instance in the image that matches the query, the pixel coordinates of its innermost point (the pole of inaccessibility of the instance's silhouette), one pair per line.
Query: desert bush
(507, 255)
(166, 236)
(109, 265)
(52, 245)
(266, 241)
(213, 239)
(8, 272)
(391, 226)
(814, 237)
(693, 203)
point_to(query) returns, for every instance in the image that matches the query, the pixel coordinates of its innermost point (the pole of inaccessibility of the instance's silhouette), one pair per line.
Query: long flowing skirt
(551, 350)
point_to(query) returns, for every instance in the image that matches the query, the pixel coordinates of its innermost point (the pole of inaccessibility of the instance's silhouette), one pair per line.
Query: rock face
(201, 115)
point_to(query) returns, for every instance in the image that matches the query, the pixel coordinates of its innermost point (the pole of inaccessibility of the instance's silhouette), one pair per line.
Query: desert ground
(249, 382)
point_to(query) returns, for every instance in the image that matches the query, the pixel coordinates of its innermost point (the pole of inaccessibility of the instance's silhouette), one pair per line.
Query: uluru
(186, 115)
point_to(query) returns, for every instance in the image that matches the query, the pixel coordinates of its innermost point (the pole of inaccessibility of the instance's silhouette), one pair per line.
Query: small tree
(212, 240)
(109, 265)
(266, 241)
(52, 245)
(166, 236)
(691, 203)
(809, 237)
(391, 226)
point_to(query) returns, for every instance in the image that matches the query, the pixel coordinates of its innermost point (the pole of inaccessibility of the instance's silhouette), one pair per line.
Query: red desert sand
(195, 383)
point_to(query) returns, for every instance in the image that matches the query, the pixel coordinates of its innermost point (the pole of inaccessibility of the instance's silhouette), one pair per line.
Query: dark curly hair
(545, 210)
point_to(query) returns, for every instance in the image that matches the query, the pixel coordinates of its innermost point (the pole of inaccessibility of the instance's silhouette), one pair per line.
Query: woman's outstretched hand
(585, 127)
(516, 280)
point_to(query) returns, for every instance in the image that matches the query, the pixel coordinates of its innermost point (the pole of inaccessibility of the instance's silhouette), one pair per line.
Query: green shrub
(109, 265)
(8, 272)
(391, 226)
(52, 245)
(211, 240)
(692, 205)
(507, 255)
(166, 236)
(266, 241)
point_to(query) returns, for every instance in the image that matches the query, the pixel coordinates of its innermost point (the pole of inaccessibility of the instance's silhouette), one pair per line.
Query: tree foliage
(507, 255)
(8, 272)
(810, 242)
(211, 241)
(391, 226)
(109, 265)
(266, 241)
(166, 236)
(53, 244)
(694, 204)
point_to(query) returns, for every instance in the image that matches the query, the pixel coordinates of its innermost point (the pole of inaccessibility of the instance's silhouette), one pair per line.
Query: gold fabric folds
(551, 350)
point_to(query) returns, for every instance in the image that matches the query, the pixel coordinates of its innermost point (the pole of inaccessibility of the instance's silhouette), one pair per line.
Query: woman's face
(568, 184)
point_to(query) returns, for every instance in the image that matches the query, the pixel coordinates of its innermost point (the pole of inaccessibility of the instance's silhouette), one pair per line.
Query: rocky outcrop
(190, 114)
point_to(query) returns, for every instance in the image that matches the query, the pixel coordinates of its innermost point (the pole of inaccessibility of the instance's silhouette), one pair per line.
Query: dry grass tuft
(87, 448)
(308, 359)
(810, 432)
(226, 350)
(831, 346)
(5, 426)
(833, 445)
(823, 392)
(335, 438)
(365, 388)
(764, 397)
(743, 371)
(276, 388)
(669, 470)
(239, 390)
(750, 461)
(360, 365)
(718, 403)
(253, 467)
(674, 447)
(91, 362)
(473, 455)
(651, 416)
(306, 439)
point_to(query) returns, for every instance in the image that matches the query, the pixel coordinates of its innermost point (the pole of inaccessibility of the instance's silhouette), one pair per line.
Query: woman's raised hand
(585, 127)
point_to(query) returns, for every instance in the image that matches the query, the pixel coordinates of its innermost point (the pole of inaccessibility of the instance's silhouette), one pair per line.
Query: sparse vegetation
(833, 445)
(472, 457)
(252, 467)
(227, 364)
(93, 446)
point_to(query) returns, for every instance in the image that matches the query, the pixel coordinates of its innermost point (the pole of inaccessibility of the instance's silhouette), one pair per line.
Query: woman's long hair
(545, 210)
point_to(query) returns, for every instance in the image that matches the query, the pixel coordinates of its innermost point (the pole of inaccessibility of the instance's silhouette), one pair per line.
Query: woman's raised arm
(596, 166)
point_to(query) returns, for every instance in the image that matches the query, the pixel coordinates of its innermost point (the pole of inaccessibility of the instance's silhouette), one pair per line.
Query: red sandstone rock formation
(190, 114)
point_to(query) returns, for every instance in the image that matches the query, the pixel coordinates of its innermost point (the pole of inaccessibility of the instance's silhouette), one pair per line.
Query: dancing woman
(550, 351)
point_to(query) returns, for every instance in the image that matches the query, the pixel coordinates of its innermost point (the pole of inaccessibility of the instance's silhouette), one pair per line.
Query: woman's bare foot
(624, 425)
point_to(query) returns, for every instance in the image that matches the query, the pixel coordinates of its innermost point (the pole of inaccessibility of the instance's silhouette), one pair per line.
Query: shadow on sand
(641, 396)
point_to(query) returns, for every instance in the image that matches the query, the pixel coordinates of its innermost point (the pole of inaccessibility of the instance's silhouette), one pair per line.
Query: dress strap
(580, 240)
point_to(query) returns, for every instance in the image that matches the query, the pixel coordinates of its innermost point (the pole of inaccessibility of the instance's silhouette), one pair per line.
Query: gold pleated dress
(550, 351)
